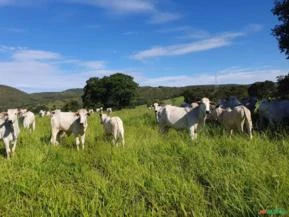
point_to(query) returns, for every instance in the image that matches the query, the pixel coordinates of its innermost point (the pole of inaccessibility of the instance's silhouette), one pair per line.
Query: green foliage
(214, 93)
(12, 98)
(281, 31)
(283, 86)
(262, 90)
(153, 175)
(117, 90)
(73, 105)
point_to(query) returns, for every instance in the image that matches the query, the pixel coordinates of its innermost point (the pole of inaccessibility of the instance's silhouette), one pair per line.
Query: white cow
(113, 126)
(157, 109)
(274, 111)
(234, 119)
(42, 113)
(71, 123)
(9, 130)
(28, 119)
(90, 111)
(109, 110)
(184, 118)
(98, 110)
(48, 113)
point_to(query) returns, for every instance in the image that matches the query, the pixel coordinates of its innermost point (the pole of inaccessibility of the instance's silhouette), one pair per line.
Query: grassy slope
(154, 175)
(58, 99)
(12, 97)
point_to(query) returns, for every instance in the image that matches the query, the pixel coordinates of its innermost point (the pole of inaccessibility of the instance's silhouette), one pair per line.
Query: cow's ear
(88, 114)
(76, 113)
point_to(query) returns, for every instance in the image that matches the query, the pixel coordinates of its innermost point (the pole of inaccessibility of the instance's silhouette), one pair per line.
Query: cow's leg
(82, 139)
(115, 138)
(7, 147)
(231, 132)
(77, 143)
(122, 140)
(14, 145)
(54, 133)
(33, 126)
(193, 135)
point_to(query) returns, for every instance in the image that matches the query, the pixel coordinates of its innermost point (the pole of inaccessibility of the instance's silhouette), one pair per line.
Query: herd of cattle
(231, 114)
(62, 123)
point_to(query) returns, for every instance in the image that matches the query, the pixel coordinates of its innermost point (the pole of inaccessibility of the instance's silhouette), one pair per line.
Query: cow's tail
(248, 121)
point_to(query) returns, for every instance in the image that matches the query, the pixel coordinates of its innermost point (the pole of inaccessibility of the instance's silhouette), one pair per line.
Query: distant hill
(13, 98)
(58, 99)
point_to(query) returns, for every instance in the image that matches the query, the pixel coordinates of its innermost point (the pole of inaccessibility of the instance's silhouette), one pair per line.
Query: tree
(283, 86)
(117, 90)
(281, 32)
(72, 105)
(262, 90)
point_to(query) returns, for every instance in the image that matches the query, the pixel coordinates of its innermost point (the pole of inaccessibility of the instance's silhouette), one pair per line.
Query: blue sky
(51, 45)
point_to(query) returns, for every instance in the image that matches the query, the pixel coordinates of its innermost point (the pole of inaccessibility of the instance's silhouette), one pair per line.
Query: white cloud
(186, 32)
(26, 55)
(180, 49)
(251, 28)
(123, 6)
(235, 75)
(36, 70)
(128, 7)
(5, 48)
(163, 17)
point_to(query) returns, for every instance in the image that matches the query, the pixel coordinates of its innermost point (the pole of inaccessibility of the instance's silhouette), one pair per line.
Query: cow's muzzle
(208, 112)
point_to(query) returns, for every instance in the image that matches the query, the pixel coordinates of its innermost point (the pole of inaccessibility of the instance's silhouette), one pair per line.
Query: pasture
(154, 175)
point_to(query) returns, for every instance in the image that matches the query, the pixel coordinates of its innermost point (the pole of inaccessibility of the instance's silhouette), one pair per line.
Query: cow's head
(12, 115)
(103, 117)
(215, 114)
(156, 107)
(22, 112)
(205, 105)
(82, 114)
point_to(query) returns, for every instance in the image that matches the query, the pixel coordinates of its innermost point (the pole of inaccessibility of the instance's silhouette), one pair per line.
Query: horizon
(51, 46)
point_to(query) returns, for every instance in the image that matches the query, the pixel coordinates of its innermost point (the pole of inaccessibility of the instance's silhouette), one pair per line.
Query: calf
(71, 123)
(113, 126)
(234, 119)
(9, 130)
(28, 120)
(184, 118)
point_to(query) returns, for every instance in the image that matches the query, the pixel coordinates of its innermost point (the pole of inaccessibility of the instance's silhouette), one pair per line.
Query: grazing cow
(109, 110)
(184, 118)
(28, 119)
(48, 114)
(150, 107)
(42, 113)
(113, 126)
(274, 111)
(9, 130)
(234, 119)
(98, 110)
(71, 123)
(90, 111)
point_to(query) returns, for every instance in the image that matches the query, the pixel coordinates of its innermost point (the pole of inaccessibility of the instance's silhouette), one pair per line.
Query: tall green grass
(154, 175)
